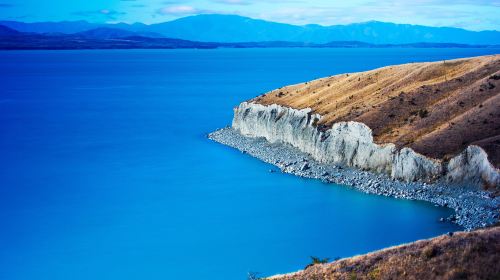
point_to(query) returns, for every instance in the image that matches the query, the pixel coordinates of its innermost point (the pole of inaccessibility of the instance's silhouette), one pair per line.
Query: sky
(468, 14)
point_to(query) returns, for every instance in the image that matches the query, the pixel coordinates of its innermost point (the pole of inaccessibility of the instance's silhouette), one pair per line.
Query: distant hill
(93, 39)
(6, 31)
(232, 28)
(106, 33)
(113, 33)
(229, 28)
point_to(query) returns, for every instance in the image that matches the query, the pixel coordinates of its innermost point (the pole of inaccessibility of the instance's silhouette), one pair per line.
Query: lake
(106, 171)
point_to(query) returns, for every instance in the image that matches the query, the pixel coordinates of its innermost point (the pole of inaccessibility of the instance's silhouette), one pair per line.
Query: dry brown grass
(465, 255)
(435, 108)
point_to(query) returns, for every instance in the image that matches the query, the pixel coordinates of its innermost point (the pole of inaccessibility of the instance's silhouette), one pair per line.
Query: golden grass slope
(435, 108)
(465, 255)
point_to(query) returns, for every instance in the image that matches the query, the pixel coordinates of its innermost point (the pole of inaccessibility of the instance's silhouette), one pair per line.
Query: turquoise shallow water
(106, 173)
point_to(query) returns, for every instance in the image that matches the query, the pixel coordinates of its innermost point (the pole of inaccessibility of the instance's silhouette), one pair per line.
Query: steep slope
(465, 255)
(419, 121)
(6, 31)
(437, 109)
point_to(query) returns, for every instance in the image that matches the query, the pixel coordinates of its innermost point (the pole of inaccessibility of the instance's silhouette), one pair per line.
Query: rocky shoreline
(473, 208)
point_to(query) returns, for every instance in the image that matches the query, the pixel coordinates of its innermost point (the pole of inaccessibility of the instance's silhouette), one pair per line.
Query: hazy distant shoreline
(71, 42)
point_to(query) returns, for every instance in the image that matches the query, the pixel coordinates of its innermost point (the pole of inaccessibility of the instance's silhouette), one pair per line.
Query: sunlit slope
(465, 255)
(436, 108)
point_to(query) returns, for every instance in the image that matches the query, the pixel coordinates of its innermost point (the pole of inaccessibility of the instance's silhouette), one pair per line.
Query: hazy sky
(469, 14)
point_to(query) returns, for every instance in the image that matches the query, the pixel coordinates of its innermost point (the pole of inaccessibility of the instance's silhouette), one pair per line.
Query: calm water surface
(106, 173)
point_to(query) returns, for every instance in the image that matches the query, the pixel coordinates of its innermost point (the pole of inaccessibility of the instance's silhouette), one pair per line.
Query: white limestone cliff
(351, 144)
(472, 165)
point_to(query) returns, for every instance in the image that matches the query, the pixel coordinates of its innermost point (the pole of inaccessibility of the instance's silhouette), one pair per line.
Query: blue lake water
(106, 172)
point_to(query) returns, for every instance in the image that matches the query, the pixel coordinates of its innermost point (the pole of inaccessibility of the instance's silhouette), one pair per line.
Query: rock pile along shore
(473, 208)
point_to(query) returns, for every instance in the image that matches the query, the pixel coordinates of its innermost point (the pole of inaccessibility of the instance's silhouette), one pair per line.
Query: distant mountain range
(112, 38)
(210, 31)
(232, 28)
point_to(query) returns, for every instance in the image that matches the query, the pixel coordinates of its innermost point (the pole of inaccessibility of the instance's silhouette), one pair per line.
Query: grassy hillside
(464, 255)
(436, 108)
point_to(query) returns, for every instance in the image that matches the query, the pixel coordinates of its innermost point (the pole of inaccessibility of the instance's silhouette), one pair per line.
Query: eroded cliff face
(472, 165)
(351, 143)
(437, 109)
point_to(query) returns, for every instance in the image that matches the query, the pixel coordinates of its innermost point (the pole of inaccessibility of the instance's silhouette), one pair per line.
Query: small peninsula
(423, 131)
(418, 131)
